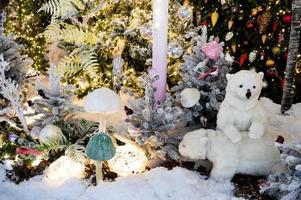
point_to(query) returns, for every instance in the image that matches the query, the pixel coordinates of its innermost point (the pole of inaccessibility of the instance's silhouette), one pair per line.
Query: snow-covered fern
(76, 152)
(62, 8)
(77, 62)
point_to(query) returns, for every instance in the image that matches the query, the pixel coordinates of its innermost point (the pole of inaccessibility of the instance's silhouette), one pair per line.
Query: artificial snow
(64, 169)
(157, 184)
(290, 124)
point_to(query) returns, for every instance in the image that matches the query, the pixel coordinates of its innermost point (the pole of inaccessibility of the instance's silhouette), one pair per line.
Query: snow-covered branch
(10, 91)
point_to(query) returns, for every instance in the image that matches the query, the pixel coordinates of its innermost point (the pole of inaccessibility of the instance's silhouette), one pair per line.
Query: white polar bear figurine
(241, 110)
(245, 157)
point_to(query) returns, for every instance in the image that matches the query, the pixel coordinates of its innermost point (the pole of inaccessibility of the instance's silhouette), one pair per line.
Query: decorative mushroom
(190, 97)
(100, 148)
(101, 102)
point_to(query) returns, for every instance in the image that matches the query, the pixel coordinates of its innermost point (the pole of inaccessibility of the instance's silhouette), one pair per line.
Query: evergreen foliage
(287, 186)
(54, 103)
(151, 125)
(208, 76)
(90, 30)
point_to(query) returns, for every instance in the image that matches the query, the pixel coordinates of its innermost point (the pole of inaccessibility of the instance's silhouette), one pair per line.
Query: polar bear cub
(241, 110)
(228, 159)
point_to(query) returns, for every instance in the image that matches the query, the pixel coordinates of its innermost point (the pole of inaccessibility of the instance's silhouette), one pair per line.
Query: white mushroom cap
(190, 97)
(102, 100)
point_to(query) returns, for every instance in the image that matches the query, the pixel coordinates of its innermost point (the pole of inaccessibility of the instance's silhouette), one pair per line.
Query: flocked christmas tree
(151, 124)
(54, 102)
(256, 33)
(286, 186)
(13, 68)
(204, 69)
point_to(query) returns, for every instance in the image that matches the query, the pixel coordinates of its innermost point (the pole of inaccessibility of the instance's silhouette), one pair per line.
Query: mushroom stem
(98, 168)
(102, 123)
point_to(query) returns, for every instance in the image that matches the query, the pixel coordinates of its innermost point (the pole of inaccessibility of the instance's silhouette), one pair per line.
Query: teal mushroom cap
(100, 147)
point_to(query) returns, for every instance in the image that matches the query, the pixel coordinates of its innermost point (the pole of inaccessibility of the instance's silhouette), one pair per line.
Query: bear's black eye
(240, 86)
(254, 86)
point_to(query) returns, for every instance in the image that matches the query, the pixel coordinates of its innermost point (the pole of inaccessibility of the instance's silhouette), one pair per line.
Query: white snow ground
(157, 184)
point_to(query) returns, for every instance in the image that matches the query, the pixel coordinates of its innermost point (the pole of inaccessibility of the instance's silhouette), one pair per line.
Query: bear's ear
(228, 76)
(261, 74)
(204, 147)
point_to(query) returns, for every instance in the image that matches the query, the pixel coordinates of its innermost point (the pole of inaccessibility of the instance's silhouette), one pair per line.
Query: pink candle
(160, 34)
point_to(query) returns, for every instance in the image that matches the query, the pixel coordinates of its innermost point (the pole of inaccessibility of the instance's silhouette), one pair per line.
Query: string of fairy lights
(26, 24)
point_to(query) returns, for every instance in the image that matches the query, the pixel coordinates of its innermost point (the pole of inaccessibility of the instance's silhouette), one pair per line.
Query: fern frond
(75, 35)
(90, 62)
(52, 33)
(55, 145)
(51, 7)
(75, 128)
(77, 152)
(59, 31)
(71, 65)
(79, 61)
(63, 8)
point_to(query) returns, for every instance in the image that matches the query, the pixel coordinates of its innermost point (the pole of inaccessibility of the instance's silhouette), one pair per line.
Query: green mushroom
(100, 148)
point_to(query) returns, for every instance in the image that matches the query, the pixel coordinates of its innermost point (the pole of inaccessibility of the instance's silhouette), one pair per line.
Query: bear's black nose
(248, 94)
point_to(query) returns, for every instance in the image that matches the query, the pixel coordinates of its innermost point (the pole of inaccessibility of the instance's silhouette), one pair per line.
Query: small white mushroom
(190, 97)
(102, 102)
(49, 133)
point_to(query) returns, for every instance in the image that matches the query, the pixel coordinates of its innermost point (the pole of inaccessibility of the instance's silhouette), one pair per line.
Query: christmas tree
(89, 31)
(151, 125)
(26, 24)
(256, 33)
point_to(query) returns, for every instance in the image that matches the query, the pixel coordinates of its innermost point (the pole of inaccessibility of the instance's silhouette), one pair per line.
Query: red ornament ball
(272, 73)
(250, 24)
(275, 26)
(285, 55)
(287, 19)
